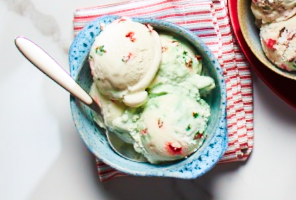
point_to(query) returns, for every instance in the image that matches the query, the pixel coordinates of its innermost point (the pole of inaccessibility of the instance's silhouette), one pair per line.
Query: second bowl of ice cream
(175, 117)
(275, 44)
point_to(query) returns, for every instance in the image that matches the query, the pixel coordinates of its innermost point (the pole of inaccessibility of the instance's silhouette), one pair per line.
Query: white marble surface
(42, 156)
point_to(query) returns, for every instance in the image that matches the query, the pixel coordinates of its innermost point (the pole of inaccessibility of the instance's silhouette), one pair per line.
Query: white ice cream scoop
(124, 59)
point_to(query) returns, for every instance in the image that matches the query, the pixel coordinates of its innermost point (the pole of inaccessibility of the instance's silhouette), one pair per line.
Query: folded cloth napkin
(208, 19)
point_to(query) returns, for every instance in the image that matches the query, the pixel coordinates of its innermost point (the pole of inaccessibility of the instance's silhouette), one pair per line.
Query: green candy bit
(185, 53)
(195, 115)
(188, 127)
(100, 50)
(175, 38)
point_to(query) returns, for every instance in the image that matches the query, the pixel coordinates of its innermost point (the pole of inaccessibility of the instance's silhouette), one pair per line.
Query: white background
(42, 156)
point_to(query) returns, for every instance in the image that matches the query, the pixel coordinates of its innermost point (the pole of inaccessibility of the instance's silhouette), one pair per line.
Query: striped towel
(208, 19)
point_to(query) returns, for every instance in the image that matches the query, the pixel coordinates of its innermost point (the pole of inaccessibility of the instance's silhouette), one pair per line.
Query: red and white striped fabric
(208, 19)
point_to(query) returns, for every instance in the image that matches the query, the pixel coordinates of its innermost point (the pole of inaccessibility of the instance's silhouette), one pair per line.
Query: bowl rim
(241, 13)
(220, 126)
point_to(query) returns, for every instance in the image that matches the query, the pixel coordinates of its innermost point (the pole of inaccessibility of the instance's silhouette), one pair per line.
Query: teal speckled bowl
(196, 164)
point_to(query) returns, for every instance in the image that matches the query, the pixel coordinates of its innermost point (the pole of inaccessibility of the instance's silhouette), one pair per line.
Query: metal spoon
(38, 57)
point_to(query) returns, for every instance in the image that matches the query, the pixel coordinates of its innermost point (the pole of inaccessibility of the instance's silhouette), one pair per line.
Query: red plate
(283, 87)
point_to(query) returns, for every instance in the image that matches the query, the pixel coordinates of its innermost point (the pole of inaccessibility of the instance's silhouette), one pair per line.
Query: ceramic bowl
(195, 165)
(251, 35)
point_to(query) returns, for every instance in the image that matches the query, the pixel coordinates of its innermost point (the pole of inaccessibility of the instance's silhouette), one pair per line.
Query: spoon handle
(51, 68)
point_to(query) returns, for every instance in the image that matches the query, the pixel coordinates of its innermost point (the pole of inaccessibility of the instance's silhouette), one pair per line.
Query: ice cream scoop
(171, 127)
(178, 61)
(279, 43)
(124, 59)
(268, 11)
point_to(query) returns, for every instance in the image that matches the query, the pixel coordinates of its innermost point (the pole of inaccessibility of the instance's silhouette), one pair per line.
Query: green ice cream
(169, 127)
(178, 61)
(171, 124)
